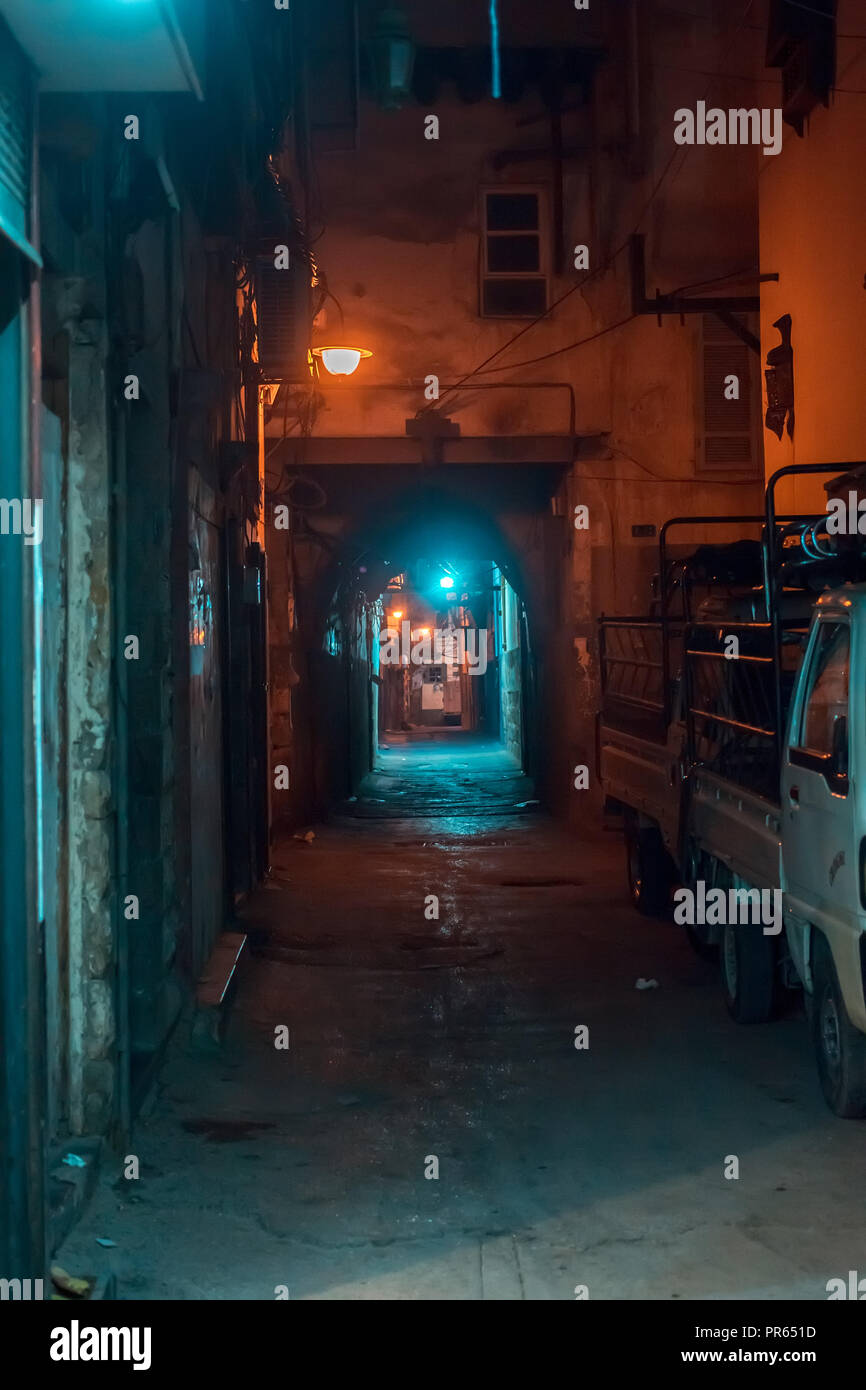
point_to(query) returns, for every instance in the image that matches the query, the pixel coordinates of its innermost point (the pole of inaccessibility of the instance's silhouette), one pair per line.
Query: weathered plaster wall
(400, 249)
(510, 688)
(80, 734)
(307, 682)
(149, 608)
(401, 253)
(812, 213)
(405, 267)
(89, 808)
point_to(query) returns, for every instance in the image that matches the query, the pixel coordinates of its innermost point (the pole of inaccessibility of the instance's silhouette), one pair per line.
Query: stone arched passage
(327, 575)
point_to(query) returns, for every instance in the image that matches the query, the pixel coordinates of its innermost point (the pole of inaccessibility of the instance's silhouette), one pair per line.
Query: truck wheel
(647, 867)
(840, 1048)
(707, 950)
(747, 959)
(696, 935)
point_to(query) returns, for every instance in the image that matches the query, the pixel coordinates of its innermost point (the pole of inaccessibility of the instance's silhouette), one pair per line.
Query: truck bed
(644, 774)
(738, 827)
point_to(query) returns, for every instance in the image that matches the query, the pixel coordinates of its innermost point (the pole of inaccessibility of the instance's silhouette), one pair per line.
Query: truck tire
(748, 968)
(696, 935)
(707, 950)
(840, 1048)
(647, 866)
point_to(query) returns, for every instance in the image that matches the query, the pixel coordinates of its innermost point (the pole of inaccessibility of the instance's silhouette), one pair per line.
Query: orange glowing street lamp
(341, 361)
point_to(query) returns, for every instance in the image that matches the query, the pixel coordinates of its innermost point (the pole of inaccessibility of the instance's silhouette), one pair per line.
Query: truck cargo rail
(636, 661)
(730, 697)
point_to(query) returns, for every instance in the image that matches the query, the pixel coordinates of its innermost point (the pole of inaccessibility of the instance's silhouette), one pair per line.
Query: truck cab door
(819, 853)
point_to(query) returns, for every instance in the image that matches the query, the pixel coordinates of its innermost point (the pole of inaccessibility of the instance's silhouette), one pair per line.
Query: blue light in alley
(446, 582)
(494, 50)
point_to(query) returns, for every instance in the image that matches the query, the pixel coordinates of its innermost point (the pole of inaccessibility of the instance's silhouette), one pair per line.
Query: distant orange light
(341, 361)
(398, 613)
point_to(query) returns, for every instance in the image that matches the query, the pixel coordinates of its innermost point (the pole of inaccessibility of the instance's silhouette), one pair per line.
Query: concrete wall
(92, 958)
(308, 695)
(511, 673)
(135, 746)
(812, 213)
(79, 727)
(510, 686)
(113, 758)
(157, 613)
(400, 251)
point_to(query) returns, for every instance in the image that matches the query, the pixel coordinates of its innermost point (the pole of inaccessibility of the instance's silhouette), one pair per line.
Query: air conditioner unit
(283, 311)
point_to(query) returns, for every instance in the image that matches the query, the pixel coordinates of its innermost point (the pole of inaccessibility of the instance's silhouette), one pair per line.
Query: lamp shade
(341, 361)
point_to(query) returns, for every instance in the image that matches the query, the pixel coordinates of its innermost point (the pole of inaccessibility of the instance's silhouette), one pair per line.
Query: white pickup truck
(742, 766)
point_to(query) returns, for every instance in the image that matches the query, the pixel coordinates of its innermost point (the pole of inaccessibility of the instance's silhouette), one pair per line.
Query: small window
(827, 696)
(728, 401)
(514, 270)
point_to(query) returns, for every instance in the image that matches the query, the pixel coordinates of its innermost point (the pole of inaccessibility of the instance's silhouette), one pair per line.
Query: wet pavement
(421, 1043)
(441, 773)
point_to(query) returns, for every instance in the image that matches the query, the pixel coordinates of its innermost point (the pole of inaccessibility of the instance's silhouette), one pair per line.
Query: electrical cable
(483, 368)
(557, 352)
(743, 274)
(662, 478)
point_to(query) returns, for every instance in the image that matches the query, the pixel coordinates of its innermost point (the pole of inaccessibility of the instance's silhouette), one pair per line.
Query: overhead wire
(557, 352)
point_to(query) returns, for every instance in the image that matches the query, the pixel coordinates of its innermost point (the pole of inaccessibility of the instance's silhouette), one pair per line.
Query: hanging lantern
(392, 58)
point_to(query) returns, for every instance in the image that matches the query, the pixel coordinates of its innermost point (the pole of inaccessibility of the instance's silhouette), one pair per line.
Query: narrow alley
(453, 1039)
(432, 565)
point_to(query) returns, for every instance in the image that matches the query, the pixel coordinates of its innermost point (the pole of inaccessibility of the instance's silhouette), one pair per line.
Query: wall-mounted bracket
(723, 306)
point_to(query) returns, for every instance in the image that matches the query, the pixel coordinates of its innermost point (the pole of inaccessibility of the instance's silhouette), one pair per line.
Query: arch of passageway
(422, 519)
(379, 535)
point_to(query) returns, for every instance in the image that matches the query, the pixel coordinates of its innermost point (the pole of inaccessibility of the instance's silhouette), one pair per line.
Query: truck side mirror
(840, 745)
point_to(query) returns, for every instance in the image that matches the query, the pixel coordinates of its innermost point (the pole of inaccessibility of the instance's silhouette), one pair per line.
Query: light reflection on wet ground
(414, 1037)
